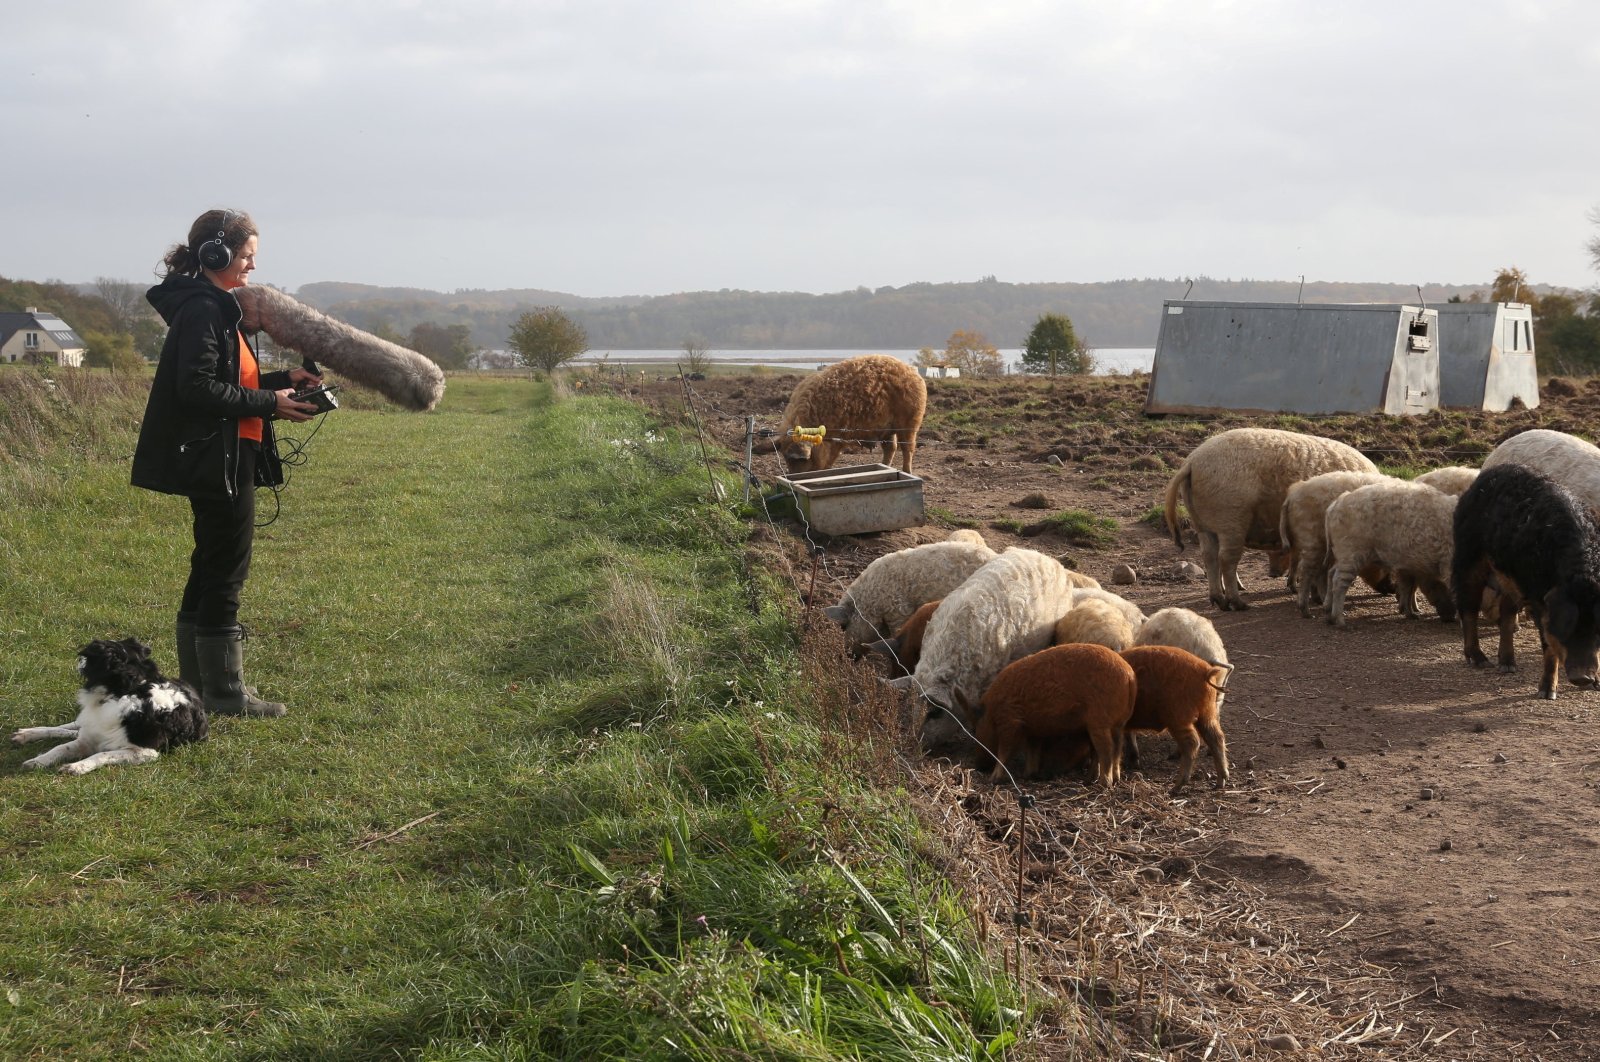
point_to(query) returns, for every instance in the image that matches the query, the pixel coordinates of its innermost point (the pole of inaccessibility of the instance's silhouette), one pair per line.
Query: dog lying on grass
(128, 712)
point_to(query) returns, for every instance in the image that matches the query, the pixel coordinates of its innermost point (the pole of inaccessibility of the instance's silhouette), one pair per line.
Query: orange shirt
(250, 378)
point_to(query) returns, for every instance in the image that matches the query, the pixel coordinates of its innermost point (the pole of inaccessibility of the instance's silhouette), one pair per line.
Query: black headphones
(214, 254)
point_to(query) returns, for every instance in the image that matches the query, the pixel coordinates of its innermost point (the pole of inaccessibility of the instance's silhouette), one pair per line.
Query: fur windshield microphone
(401, 375)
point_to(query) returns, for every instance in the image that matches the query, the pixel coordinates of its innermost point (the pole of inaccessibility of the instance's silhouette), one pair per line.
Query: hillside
(1119, 313)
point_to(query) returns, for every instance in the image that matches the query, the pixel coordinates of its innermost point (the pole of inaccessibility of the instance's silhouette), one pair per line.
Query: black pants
(224, 531)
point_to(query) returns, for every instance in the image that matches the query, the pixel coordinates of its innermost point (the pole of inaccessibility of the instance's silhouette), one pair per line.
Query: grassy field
(552, 785)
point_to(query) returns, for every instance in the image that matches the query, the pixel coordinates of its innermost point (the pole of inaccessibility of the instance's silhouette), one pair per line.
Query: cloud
(616, 147)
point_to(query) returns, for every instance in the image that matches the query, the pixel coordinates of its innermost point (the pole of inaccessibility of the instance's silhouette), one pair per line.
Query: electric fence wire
(1025, 800)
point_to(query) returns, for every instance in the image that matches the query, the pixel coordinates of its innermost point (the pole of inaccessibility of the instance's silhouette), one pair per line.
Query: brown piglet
(904, 650)
(1053, 697)
(1178, 693)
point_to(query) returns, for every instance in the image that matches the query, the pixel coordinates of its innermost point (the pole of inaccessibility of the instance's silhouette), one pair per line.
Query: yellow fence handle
(810, 435)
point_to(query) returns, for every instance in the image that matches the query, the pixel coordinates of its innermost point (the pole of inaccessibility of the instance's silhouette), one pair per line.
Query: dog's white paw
(18, 739)
(76, 768)
(33, 764)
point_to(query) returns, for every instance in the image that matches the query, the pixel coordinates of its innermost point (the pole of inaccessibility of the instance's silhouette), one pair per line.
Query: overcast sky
(612, 148)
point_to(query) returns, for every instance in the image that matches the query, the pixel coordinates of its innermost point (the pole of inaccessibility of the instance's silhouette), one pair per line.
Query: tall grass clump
(1081, 528)
(48, 410)
(560, 778)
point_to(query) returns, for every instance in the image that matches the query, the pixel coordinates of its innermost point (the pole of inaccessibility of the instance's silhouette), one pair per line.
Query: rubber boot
(220, 651)
(188, 659)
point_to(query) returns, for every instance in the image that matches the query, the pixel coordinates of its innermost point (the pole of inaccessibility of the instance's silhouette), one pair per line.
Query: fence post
(749, 455)
(688, 397)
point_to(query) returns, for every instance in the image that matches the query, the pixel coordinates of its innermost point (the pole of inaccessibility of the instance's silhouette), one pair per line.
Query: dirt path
(1448, 811)
(1407, 810)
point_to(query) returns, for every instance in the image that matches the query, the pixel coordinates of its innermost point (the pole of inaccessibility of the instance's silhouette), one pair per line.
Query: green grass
(552, 785)
(947, 518)
(1081, 528)
(1156, 516)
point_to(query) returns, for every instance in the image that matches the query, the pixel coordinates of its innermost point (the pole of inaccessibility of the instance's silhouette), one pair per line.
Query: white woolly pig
(1455, 479)
(1186, 629)
(1567, 459)
(1301, 530)
(1234, 485)
(1129, 611)
(873, 398)
(895, 585)
(1082, 581)
(1452, 479)
(1405, 527)
(1094, 622)
(1007, 609)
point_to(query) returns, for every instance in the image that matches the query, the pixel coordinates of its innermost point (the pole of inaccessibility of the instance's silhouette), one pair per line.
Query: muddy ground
(1404, 811)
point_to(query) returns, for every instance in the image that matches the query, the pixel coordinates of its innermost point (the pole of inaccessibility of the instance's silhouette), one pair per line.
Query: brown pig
(904, 649)
(1178, 693)
(1050, 698)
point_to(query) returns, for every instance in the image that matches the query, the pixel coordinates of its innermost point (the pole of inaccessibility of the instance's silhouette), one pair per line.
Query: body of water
(1108, 360)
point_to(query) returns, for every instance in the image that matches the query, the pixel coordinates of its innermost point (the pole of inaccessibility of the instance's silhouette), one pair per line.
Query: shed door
(1421, 367)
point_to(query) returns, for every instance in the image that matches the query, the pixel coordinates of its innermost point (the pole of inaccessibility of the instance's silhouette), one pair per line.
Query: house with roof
(35, 337)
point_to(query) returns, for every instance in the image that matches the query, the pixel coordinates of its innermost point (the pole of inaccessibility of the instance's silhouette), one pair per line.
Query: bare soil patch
(1418, 841)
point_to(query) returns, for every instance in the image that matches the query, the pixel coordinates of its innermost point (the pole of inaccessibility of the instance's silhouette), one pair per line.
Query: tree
(112, 350)
(546, 338)
(1511, 285)
(1569, 338)
(972, 354)
(696, 355)
(449, 346)
(1053, 347)
(149, 335)
(380, 327)
(1593, 246)
(124, 299)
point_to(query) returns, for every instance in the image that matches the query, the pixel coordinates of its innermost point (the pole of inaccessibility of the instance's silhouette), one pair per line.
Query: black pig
(1542, 546)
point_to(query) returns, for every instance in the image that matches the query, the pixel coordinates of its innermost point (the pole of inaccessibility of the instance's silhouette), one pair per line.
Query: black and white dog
(128, 712)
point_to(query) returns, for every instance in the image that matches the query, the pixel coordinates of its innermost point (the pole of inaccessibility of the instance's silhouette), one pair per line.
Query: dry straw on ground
(1128, 941)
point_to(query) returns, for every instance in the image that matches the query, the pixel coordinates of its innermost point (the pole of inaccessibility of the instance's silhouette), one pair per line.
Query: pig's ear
(902, 683)
(889, 647)
(960, 702)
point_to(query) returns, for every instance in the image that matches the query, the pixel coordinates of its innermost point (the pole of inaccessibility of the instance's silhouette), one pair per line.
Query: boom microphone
(399, 374)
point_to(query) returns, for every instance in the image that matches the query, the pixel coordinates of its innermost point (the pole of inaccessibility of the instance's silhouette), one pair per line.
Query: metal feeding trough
(856, 499)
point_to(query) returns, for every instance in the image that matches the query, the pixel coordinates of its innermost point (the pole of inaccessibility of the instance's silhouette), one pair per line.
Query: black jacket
(189, 441)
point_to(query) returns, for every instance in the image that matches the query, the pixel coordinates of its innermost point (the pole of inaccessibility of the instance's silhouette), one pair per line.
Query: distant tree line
(1123, 313)
(1057, 325)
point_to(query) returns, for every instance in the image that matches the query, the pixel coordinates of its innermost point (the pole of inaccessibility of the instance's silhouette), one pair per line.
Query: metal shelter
(1486, 358)
(1267, 357)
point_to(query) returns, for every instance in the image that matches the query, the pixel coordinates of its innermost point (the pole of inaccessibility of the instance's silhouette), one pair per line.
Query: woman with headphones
(207, 435)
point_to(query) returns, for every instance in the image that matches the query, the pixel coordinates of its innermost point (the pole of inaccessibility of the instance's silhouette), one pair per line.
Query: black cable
(291, 454)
